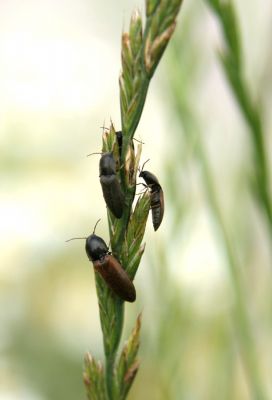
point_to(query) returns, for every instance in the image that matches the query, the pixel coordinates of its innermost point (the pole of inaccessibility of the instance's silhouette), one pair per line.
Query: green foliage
(127, 366)
(161, 23)
(231, 59)
(141, 53)
(132, 250)
(194, 141)
(94, 379)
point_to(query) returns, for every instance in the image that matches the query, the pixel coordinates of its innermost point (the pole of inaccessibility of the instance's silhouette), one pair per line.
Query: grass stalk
(142, 49)
(181, 104)
(231, 58)
(241, 317)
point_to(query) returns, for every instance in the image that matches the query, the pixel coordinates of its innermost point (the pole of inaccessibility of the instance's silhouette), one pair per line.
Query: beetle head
(141, 171)
(95, 246)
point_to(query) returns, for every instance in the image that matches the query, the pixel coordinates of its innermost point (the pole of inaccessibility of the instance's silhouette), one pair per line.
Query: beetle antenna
(93, 153)
(139, 141)
(96, 225)
(141, 170)
(75, 238)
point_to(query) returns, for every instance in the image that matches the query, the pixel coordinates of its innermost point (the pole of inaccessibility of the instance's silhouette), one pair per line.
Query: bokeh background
(59, 69)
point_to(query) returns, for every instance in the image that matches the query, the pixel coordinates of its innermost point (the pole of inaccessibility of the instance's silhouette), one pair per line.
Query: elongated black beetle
(119, 138)
(157, 197)
(109, 267)
(111, 187)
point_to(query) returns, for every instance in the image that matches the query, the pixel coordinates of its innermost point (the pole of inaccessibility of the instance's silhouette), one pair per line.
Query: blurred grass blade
(94, 379)
(232, 63)
(128, 364)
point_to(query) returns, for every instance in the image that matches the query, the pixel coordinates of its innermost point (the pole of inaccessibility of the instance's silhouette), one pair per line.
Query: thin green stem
(117, 241)
(110, 361)
(241, 317)
(131, 128)
(112, 346)
(232, 62)
(182, 107)
(252, 116)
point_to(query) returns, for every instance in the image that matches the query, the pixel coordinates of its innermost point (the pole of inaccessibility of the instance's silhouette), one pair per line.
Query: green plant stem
(110, 361)
(253, 120)
(130, 129)
(241, 318)
(184, 110)
(232, 62)
(111, 351)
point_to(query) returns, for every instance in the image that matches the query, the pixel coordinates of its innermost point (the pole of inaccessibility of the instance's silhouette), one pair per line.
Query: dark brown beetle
(156, 198)
(119, 138)
(109, 267)
(111, 187)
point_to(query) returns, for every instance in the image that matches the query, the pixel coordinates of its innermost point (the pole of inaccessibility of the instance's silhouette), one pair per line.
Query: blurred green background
(59, 69)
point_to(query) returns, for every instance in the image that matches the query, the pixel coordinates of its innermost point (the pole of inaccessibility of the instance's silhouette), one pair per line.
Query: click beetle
(109, 267)
(110, 184)
(156, 198)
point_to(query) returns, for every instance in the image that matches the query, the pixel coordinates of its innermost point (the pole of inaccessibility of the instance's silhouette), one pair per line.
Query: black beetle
(111, 187)
(109, 267)
(157, 197)
(119, 138)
